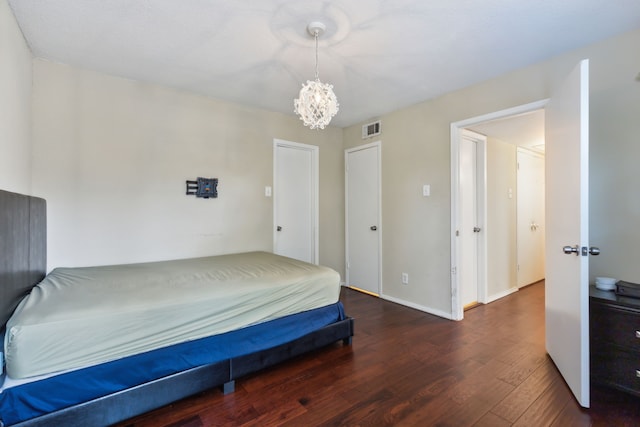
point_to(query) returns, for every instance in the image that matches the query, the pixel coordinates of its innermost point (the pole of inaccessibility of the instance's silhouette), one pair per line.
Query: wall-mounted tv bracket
(203, 187)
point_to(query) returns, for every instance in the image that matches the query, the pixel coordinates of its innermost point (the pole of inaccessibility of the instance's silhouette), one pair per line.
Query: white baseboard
(502, 294)
(418, 307)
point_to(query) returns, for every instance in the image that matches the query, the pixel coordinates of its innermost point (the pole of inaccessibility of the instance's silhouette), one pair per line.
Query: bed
(200, 323)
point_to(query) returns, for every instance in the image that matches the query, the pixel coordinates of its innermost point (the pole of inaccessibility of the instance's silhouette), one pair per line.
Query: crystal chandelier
(317, 103)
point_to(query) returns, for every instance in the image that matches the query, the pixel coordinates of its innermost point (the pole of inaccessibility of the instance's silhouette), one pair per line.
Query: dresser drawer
(616, 325)
(618, 368)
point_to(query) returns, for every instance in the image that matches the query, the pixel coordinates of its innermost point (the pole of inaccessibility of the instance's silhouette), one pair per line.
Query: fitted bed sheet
(78, 317)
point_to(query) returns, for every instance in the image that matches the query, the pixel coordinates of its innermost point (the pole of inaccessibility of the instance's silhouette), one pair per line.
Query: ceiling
(523, 130)
(380, 55)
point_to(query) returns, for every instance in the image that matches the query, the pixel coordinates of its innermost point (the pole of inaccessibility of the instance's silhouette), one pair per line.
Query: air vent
(372, 129)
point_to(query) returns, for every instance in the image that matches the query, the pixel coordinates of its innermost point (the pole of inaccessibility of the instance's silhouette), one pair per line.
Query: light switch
(426, 190)
(267, 191)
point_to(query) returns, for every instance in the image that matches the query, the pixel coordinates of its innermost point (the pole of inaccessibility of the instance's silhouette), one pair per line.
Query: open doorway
(505, 130)
(515, 192)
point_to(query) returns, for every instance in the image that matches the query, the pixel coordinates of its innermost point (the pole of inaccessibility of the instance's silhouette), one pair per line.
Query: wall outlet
(405, 278)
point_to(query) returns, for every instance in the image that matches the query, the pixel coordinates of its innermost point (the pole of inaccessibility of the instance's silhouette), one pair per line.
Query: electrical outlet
(405, 278)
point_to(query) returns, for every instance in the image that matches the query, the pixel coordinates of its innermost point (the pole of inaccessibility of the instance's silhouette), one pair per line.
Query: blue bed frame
(23, 264)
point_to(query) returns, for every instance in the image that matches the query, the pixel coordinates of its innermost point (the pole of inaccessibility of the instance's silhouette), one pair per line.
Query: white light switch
(426, 190)
(267, 191)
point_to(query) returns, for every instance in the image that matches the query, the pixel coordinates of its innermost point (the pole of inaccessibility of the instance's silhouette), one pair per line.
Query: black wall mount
(203, 187)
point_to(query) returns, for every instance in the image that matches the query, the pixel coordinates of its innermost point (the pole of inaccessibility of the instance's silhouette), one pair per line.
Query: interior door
(469, 228)
(567, 222)
(363, 217)
(295, 195)
(530, 213)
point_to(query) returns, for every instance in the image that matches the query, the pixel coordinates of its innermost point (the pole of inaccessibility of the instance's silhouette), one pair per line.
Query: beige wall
(15, 105)
(415, 151)
(111, 157)
(501, 219)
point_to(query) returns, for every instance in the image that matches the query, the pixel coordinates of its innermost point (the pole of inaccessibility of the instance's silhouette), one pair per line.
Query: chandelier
(317, 103)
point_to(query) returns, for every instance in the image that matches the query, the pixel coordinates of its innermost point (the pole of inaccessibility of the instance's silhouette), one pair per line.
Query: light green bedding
(79, 317)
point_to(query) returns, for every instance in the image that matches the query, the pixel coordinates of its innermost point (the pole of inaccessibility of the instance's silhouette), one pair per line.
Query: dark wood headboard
(23, 248)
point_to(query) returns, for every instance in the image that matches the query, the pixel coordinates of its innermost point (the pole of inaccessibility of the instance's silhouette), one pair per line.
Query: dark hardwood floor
(408, 368)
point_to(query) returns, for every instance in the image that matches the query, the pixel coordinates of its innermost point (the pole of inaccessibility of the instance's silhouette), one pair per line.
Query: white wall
(415, 151)
(111, 156)
(15, 105)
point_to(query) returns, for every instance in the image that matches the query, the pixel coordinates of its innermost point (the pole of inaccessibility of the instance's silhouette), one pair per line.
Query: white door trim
(314, 150)
(378, 146)
(457, 312)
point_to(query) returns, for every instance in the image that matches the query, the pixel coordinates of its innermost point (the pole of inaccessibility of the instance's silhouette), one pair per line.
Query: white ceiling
(523, 130)
(380, 55)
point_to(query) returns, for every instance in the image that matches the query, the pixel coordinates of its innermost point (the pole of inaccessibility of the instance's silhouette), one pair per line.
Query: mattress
(78, 317)
(25, 399)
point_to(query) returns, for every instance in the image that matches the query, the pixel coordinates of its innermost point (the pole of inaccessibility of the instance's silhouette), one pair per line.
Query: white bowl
(606, 283)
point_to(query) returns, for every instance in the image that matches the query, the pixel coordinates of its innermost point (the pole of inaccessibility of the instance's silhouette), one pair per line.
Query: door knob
(278, 228)
(571, 250)
(373, 228)
(594, 251)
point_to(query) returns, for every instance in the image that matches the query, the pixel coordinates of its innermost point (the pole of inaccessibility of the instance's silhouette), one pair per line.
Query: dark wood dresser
(615, 340)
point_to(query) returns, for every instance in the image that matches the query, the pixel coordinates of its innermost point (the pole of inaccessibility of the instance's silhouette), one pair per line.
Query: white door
(295, 200)
(468, 221)
(567, 208)
(471, 189)
(362, 188)
(530, 217)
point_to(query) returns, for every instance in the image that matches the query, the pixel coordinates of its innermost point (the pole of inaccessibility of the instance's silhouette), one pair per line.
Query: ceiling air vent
(372, 129)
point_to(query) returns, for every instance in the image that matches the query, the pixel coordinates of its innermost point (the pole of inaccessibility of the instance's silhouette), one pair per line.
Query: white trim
(315, 173)
(457, 312)
(378, 146)
(501, 294)
(410, 304)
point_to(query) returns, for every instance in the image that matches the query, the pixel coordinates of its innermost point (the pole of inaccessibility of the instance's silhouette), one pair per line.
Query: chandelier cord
(316, 37)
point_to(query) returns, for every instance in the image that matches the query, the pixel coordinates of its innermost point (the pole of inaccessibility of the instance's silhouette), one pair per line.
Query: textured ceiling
(380, 55)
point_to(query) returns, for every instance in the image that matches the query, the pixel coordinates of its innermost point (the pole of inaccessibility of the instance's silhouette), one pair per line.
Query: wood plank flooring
(408, 368)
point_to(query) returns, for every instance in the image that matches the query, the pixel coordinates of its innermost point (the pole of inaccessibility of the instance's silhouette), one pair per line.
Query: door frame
(457, 309)
(378, 146)
(315, 190)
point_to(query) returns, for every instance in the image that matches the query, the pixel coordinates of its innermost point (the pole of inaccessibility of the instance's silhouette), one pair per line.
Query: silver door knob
(594, 251)
(571, 250)
(373, 228)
